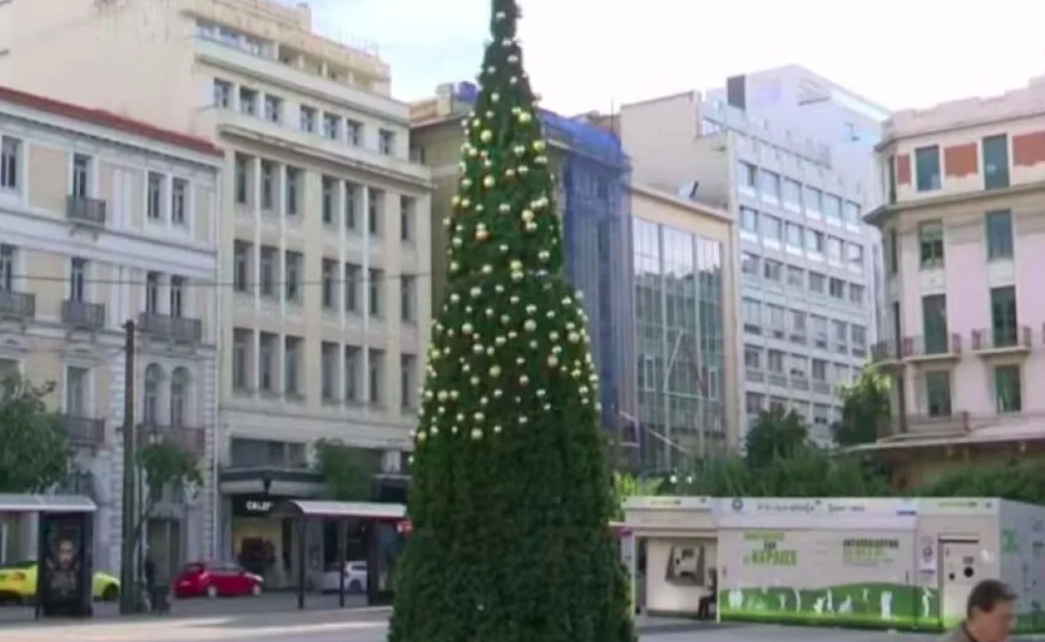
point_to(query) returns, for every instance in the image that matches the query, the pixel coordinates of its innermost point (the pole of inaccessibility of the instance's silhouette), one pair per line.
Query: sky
(592, 54)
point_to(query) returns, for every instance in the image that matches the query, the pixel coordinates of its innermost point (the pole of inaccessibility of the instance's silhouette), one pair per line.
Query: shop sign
(251, 507)
(768, 548)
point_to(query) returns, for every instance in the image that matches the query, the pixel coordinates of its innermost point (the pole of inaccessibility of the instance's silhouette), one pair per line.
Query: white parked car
(355, 578)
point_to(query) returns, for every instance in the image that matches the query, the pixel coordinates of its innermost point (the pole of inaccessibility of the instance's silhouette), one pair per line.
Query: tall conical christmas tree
(511, 494)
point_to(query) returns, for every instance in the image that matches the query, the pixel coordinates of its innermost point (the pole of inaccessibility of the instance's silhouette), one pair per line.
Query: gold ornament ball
(486, 136)
(525, 117)
(539, 145)
(488, 182)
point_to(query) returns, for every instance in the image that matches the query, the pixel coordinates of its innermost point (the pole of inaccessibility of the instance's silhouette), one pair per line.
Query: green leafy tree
(1022, 481)
(35, 454)
(512, 494)
(348, 472)
(775, 433)
(165, 467)
(809, 472)
(865, 409)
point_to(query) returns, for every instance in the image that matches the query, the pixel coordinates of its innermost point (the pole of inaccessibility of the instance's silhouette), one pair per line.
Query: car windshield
(24, 564)
(192, 569)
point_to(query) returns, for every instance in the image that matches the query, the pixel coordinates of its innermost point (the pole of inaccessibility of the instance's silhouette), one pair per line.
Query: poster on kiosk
(65, 570)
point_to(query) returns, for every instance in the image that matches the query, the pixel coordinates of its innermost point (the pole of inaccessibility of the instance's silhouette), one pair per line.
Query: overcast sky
(588, 54)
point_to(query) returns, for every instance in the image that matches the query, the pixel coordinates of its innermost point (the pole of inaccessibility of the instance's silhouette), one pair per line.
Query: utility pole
(128, 592)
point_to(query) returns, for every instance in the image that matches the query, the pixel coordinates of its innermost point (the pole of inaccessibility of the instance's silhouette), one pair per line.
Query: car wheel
(355, 587)
(212, 591)
(255, 590)
(111, 593)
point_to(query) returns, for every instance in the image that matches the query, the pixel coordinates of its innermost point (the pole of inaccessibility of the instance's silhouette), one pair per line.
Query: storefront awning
(46, 504)
(317, 508)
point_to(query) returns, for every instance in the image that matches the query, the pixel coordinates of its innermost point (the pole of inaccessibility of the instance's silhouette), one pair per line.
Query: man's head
(990, 611)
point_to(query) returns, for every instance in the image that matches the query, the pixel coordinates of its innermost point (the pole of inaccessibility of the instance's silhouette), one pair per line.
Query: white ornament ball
(530, 325)
(486, 136)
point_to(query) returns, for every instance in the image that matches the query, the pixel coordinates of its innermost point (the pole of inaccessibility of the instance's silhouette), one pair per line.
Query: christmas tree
(511, 494)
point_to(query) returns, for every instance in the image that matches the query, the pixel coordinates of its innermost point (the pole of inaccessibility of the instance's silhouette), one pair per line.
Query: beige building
(86, 245)
(324, 226)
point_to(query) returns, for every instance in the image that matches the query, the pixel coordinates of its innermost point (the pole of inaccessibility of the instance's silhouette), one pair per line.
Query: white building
(104, 220)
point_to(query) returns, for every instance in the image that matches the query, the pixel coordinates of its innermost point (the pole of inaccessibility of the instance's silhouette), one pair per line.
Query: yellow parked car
(18, 584)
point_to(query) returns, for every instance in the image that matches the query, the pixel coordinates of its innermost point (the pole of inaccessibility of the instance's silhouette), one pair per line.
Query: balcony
(799, 382)
(163, 327)
(17, 306)
(81, 315)
(932, 347)
(821, 387)
(886, 353)
(754, 375)
(1002, 341)
(84, 432)
(85, 210)
(192, 439)
(777, 379)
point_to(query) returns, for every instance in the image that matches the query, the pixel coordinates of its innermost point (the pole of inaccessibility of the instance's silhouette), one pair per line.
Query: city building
(592, 175)
(963, 229)
(807, 289)
(685, 325)
(324, 226)
(87, 245)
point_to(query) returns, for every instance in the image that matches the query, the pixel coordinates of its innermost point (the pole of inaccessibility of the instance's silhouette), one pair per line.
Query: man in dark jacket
(989, 612)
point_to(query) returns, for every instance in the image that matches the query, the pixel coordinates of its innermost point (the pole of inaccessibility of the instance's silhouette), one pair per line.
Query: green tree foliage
(631, 486)
(1022, 481)
(35, 453)
(512, 495)
(865, 409)
(165, 467)
(775, 433)
(347, 471)
(810, 472)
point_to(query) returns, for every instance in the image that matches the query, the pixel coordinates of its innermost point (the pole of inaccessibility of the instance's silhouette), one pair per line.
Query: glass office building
(679, 344)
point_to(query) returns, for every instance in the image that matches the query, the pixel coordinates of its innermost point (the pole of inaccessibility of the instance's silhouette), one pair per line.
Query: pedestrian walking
(989, 611)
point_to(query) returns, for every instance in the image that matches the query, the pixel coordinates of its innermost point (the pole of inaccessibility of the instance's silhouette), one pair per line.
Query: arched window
(151, 399)
(180, 381)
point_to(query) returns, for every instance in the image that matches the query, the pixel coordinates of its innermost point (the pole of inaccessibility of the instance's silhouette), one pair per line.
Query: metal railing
(84, 431)
(1001, 338)
(931, 345)
(190, 438)
(17, 305)
(174, 329)
(81, 314)
(85, 209)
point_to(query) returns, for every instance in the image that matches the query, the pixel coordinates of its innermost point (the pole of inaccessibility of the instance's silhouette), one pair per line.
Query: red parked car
(213, 579)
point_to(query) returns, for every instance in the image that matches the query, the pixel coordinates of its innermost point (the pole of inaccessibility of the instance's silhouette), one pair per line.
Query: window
(817, 282)
(819, 370)
(267, 266)
(1008, 388)
(152, 292)
(407, 209)
(891, 178)
(268, 185)
(386, 142)
(307, 117)
(78, 279)
(749, 264)
(851, 212)
(773, 270)
(996, 162)
(798, 322)
(81, 175)
(329, 185)
(819, 327)
(292, 276)
(893, 251)
(177, 296)
(179, 200)
(354, 131)
(752, 357)
(999, 235)
(754, 402)
(328, 357)
(353, 365)
(10, 162)
(772, 228)
(794, 235)
(854, 254)
(832, 207)
(374, 280)
(407, 380)
(792, 193)
(770, 185)
(775, 316)
(222, 94)
(938, 394)
(241, 259)
(834, 249)
(934, 324)
(858, 334)
(1003, 317)
(748, 220)
(775, 361)
(331, 126)
(291, 365)
(273, 109)
(856, 293)
(248, 101)
(375, 203)
(329, 285)
(927, 168)
(351, 287)
(242, 341)
(814, 241)
(179, 397)
(76, 391)
(352, 193)
(930, 243)
(293, 187)
(151, 394)
(155, 202)
(813, 197)
(796, 276)
(407, 294)
(377, 367)
(752, 316)
(836, 288)
(241, 180)
(746, 176)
